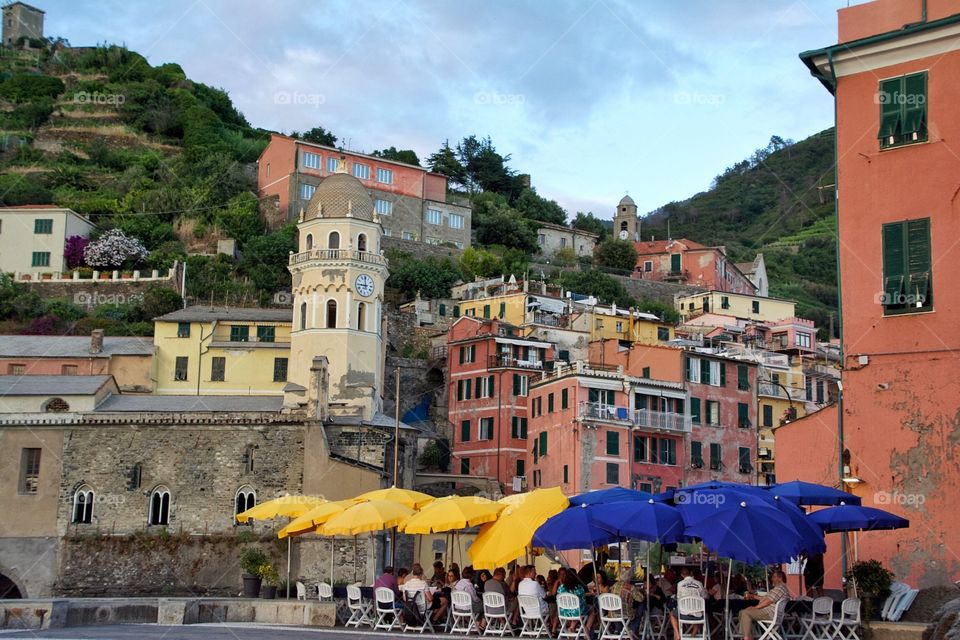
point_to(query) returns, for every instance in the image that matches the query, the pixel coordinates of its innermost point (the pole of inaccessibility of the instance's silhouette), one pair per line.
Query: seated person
(530, 586)
(465, 584)
(766, 608)
(414, 588)
(632, 599)
(571, 584)
(387, 580)
(497, 584)
(687, 587)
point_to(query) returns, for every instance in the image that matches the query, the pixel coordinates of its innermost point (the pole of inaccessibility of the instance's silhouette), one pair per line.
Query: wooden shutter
(465, 431)
(704, 371)
(543, 443)
(723, 374)
(743, 380)
(695, 409)
(516, 384)
(918, 261)
(696, 453)
(743, 414)
(745, 465)
(913, 117)
(564, 398)
(675, 262)
(613, 443)
(889, 108)
(894, 263)
(689, 368)
(459, 389)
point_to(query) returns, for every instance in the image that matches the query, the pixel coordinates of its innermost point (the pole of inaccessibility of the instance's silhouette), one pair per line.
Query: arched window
(362, 242)
(82, 505)
(332, 314)
(309, 242)
(248, 459)
(623, 226)
(160, 506)
(362, 316)
(303, 315)
(333, 241)
(246, 499)
(56, 405)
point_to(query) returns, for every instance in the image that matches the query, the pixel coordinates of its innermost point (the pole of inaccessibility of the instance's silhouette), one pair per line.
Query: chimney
(318, 395)
(96, 341)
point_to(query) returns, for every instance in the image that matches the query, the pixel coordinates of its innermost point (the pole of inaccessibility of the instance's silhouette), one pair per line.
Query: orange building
(894, 77)
(687, 262)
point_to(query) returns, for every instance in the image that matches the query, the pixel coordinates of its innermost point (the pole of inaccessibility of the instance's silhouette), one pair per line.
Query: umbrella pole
(354, 557)
(393, 547)
(288, 567)
(726, 603)
(331, 562)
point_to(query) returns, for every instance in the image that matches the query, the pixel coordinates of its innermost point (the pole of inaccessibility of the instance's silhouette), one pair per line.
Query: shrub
(73, 250)
(160, 301)
(115, 249)
(25, 87)
(251, 559)
(617, 254)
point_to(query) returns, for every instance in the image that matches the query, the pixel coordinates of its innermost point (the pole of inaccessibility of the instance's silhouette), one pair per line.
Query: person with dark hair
(438, 579)
(813, 575)
(766, 608)
(571, 584)
(465, 584)
(388, 580)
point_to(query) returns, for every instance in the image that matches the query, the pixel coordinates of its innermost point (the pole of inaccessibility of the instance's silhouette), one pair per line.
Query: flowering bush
(114, 249)
(73, 250)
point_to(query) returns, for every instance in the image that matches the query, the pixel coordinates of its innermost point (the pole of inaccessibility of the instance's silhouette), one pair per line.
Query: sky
(593, 98)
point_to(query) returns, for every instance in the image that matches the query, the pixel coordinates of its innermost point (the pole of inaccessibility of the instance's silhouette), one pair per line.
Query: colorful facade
(687, 262)
(893, 75)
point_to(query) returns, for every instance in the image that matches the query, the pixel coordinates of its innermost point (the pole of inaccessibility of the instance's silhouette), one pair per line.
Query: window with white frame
(383, 207)
(385, 176)
(159, 506)
(246, 499)
(306, 191)
(361, 171)
(331, 164)
(803, 340)
(434, 216)
(409, 236)
(458, 244)
(311, 160)
(82, 505)
(455, 220)
(387, 233)
(715, 373)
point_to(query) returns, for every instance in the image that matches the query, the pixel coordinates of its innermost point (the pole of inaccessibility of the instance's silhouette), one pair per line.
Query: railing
(579, 367)
(551, 319)
(662, 420)
(771, 389)
(500, 360)
(599, 411)
(338, 254)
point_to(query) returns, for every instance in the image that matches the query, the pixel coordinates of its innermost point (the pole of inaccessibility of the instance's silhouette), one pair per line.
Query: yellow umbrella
(508, 538)
(289, 506)
(406, 497)
(362, 517)
(452, 512)
(312, 519)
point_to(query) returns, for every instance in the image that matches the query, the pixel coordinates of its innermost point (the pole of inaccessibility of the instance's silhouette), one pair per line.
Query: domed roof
(627, 201)
(337, 195)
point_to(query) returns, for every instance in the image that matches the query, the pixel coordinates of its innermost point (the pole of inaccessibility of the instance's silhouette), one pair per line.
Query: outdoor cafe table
(798, 608)
(340, 593)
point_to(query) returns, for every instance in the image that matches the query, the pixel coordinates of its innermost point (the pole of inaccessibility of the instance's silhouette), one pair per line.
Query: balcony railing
(338, 255)
(608, 412)
(774, 390)
(662, 420)
(500, 360)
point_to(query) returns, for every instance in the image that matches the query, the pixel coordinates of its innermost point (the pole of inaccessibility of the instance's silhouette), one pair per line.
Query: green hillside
(780, 201)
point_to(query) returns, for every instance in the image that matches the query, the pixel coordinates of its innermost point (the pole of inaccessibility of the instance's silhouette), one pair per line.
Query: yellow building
(780, 398)
(735, 304)
(216, 351)
(610, 323)
(509, 307)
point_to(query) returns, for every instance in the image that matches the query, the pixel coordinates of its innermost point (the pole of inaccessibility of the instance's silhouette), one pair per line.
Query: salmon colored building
(491, 371)
(687, 262)
(894, 77)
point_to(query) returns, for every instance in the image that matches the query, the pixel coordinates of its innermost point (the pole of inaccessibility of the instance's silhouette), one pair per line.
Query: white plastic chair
(464, 619)
(846, 627)
(904, 604)
(897, 591)
(572, 625)
(534, 622)
(820, 622)
(770, 629)
(418, 599)
(495, 613)
(301, 591)
(359, 610)
(692, 618)
(387, 618)
(613, 625)
(325, 592)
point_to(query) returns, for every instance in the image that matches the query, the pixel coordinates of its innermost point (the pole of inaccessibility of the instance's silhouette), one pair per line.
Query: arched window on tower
(332, 314)
(82, 505)
(303, 315)
(333, 240)
(246, 499)
(362, 316)
(362, 242)
(309, 243)
(623, 226)
(160, 506)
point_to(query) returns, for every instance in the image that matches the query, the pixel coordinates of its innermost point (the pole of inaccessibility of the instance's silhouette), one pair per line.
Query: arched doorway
(8, 589)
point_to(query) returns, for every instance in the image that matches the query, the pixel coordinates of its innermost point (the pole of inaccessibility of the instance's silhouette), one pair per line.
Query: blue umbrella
(811, 533)
(650, 520)
(573, 529)
(807, 493)
(614, 494)
(718, 484)
(851, 517)
(696, 504)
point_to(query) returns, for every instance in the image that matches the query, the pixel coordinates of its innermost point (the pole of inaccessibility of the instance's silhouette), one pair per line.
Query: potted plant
(872, 581)
(271, 577)
(251, 560)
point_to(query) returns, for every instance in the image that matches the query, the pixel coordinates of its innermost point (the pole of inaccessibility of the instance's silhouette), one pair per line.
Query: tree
(115, 249)
(317, 135)
(27, 87)
(531, 205)
(241, 218)
(431, 277)
(596, 283)
(445, 162)
(264, 260)
(407, 156)
(478, 262)
(504, 227)
(160, 301)
(589, 222)
(73, 249)
(617, 254)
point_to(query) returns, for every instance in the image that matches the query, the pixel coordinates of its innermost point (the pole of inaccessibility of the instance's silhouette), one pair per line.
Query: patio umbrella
(614, 494)
(695, 504)
(807, 493)
(452, 512)
(289, 506)
(363, 517)
(850, 517)
(809, 531)
(406, 497)
(506, 539)
(313, 518)
(573, 528)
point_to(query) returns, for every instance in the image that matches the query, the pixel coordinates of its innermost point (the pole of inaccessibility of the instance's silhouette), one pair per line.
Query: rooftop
(71, 347)
(52, 385)
(662, 246)
(563, 227)
(198, 313)
(190, 404)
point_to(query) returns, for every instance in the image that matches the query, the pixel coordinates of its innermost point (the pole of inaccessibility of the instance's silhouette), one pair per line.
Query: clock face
(364, 285)
(623, 234)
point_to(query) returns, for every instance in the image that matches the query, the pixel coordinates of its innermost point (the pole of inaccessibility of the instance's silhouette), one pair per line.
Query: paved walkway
(231, 631)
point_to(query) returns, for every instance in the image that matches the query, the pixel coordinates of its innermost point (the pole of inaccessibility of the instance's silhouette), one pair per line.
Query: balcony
(501, 361)
(337, 255)
(662, 421)
(223, 341)
(774, 391)
(606, 412)
(679, 275)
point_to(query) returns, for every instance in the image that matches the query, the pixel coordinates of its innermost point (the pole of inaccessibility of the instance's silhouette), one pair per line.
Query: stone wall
(661, 291)
(419, 249)
(363, 444)
(90, 293)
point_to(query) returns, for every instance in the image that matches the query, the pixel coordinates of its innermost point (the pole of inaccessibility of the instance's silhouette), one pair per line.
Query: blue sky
(593, 98)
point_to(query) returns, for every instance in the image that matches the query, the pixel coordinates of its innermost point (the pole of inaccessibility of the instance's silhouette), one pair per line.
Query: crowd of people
(423, 596)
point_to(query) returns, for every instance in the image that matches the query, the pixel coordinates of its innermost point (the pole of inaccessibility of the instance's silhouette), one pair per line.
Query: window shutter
(492, 390)
(467, 384)
(459, 389)
(543, 443)
(914, 105)
(894, 263)
(743, 381)
(704, 371)
(564, 398)
(723, 374)
(641, 401)
(689, 368)
(745, 459)
(465, 431)
(613, 443)
(462, 354)
(918, 261)
(523, 428)
(695, 409)
(889, 108)
(696, 452)
(675, 262)
(743, 414)
(516, 384)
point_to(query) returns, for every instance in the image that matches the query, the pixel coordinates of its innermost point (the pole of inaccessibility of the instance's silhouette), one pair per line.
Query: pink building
(687, 262)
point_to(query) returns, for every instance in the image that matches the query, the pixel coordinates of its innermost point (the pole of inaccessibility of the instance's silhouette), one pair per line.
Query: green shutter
(743, 414)
(695, 409)
(613, 443)
(456, 311)
(566, 474)
(543, 443)
(465, 431)
(894, 263)
(723, 374)
(493, 390)
(743, 380)
(646, 372)
(745, 465)
(459, 389)
(523, 428)
(675, 262)
(462, 354)
(641, 401)
(889, 108)
(486, 311)
(918, 262)
(443, 309)
(467, 385)
(696, 452)
(689, 368)
(516, 384)
(704, 371)
(503, 309)
(593, 396)
(914, 106)
(550, 403)
(564, 398)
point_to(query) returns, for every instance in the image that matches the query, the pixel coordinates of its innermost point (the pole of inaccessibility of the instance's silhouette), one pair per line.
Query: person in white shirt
(687, 587)
(465, 584)
(415, 588)
(530, 587)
